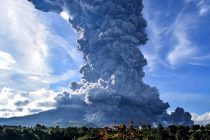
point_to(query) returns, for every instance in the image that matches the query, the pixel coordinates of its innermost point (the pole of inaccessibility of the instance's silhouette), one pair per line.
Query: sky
(39, 56)
(178, 52)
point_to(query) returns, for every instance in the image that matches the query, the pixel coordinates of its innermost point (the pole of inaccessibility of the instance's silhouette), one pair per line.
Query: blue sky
(178, 52)
(38, 55)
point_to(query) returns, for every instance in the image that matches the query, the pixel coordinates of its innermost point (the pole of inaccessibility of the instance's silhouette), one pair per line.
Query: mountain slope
(61, 116)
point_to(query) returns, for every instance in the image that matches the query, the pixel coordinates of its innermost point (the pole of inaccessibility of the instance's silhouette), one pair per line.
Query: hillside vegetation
(118, 132)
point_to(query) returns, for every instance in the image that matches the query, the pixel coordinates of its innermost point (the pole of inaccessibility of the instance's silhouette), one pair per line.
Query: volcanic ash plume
(111, 88)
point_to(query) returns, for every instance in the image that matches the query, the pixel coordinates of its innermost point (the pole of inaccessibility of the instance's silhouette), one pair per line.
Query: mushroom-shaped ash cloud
(112, 86)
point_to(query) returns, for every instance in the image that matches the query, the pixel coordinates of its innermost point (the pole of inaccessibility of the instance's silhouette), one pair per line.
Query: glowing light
(65, 15)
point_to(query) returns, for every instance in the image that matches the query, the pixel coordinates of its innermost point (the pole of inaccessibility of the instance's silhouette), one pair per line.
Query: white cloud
(203, 119)
(33, 56)
(6, 61)
(24, 40)
(26, 44)
(65, 15)
(27, 35)
(17, 103)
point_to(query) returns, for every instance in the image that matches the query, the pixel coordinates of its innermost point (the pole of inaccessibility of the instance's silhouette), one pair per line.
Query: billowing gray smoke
(111, 88)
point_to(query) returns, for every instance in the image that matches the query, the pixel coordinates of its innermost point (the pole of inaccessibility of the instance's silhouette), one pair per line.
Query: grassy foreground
(118, 132)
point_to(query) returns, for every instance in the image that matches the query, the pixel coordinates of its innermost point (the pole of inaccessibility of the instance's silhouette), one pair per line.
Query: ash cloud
(111, 86)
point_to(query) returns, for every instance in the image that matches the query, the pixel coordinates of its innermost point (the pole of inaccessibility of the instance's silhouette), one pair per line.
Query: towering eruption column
(111, 88)
(111, 31)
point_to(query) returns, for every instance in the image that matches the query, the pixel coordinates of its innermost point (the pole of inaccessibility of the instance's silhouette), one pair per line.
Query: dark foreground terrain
(118, 132)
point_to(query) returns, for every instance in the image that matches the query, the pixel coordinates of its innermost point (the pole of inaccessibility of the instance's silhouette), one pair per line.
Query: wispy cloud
(54, 78)
(204, 7)
(31, 53)
(24, 40)
(171, 43)
(156, 43)
(34, 57)
(182, 47)
(27, 35)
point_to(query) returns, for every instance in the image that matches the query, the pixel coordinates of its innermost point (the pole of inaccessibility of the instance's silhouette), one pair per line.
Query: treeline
(118, 132)
(40, 132)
